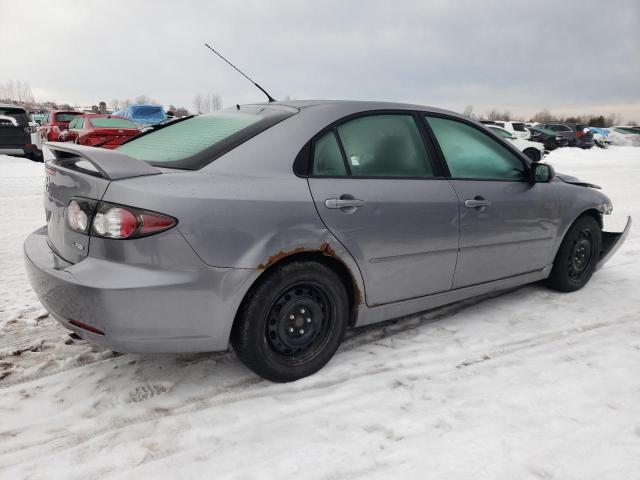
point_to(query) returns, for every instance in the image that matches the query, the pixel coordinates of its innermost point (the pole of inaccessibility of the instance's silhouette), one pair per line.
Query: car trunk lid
(83, 173)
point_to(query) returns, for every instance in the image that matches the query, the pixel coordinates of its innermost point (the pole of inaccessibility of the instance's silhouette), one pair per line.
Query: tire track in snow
(239, 391)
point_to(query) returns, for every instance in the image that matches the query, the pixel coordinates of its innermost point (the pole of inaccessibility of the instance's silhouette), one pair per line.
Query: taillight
(580, 134)
(109, 220)
(79, 213)
(117, 221)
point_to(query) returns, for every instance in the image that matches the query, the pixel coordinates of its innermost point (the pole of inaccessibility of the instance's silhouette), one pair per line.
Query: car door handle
(477, 202)
(344, 203)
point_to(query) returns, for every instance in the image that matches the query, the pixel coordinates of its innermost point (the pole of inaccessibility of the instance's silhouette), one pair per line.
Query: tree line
(545, 116)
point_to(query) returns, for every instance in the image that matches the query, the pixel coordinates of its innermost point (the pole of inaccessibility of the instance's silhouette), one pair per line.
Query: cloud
(520, 56)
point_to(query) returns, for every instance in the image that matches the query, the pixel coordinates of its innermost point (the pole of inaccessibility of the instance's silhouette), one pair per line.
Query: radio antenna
(271, 99)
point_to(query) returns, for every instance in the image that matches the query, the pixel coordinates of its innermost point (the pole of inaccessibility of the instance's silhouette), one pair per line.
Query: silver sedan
(275, 227)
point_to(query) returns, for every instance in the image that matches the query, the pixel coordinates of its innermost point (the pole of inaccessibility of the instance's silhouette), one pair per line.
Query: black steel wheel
(292, 322)
(578, 256)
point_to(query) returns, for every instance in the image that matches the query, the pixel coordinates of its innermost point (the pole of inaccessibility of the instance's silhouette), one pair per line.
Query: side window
(73, 123)
(327, 159)
(470, 153)
(79, 123)
(385, 146)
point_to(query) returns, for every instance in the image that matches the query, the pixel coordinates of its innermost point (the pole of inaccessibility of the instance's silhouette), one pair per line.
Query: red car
(55, 122)
(93, 130)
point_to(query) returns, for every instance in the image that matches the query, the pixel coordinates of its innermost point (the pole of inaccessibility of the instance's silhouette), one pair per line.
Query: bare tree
(613, 119)
(207, 103)
(145, 99)
(543, 116)
(115, 104)
(197, 103)
(496, 114)
(468, 111)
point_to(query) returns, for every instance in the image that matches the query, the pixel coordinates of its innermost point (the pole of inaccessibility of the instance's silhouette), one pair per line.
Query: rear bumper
(611, 242)
(140, 309)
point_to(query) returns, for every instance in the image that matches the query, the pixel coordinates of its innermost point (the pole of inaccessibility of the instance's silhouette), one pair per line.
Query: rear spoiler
(111, 164)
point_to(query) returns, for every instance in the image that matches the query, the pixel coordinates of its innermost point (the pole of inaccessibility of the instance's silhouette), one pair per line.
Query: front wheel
(577, 257)
(292, 323)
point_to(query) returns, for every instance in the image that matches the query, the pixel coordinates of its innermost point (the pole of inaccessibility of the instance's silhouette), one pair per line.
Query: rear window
(66, 117)
(518, 127)
(112, 123)
(19, 114)
(193, 143)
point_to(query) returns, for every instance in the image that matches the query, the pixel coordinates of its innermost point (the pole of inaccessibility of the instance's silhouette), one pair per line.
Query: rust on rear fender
(324, 249)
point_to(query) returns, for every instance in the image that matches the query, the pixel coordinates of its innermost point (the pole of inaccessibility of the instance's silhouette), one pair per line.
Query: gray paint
(411, 246)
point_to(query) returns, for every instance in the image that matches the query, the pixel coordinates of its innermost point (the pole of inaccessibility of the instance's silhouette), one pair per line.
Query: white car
(534, 150)
(517, 129)
(622, 135)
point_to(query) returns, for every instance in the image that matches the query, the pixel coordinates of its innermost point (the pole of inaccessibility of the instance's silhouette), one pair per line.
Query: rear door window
(385, 146)
(327, 158)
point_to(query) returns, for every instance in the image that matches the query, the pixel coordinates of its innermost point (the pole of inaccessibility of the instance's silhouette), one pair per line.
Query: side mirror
(542, 172)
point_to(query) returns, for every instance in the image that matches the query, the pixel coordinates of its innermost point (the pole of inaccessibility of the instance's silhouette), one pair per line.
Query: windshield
(193, 143)
(112, 123)
(501, 132)
(66, 117)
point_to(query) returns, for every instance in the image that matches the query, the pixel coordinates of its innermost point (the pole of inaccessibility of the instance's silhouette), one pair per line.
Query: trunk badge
(79, 246)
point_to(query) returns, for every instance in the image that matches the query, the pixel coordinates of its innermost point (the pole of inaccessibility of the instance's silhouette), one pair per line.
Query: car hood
(576, 181)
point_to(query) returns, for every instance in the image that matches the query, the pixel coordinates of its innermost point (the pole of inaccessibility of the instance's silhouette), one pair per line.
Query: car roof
(353, 106)
(17, 107)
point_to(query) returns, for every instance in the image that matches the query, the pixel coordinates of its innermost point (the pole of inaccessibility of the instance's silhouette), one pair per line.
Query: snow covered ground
(530, 384)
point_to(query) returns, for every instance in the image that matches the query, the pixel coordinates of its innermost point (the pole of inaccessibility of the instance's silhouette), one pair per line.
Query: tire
(577, 257)
(533, 154)
(290, 324)
(36, 157)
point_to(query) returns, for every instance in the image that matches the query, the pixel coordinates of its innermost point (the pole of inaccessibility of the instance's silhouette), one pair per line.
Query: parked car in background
(625, 136)
(550, 139)
(578, 134)
(534, 150)
(18, 134)
(94, 130)
(142, 114)
(517, 129)
(38, 117)
(55, 122)
(601, 137)
(277, 226)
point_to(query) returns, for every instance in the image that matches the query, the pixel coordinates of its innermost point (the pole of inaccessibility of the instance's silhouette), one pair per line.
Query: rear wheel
(533, 154)
(577, 257)
(292, 323)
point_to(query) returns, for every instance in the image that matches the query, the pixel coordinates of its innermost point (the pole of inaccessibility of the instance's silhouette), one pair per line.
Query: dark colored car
(93, 130)
(578, 134)
(550, 139)
(17, 136)
(56, 122)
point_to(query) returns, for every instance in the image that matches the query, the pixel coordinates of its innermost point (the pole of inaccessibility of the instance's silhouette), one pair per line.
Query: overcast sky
(569, 56)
